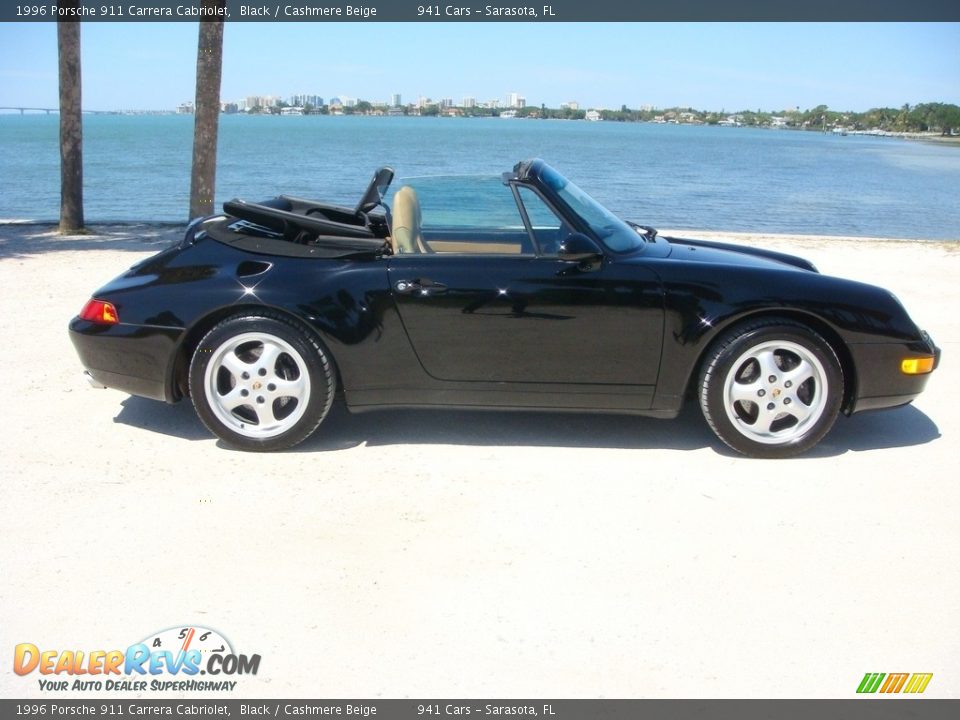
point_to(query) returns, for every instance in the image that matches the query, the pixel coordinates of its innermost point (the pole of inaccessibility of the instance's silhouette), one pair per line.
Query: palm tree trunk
(71, 126)
(207, 114)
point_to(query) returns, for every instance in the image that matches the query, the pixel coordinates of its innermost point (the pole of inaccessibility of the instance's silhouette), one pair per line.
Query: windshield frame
(580, 205)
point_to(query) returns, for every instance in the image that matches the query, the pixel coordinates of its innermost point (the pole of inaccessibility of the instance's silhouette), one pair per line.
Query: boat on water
(507, 114)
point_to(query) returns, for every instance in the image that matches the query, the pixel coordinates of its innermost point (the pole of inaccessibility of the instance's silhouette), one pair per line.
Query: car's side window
(473, 215)
(548, 229)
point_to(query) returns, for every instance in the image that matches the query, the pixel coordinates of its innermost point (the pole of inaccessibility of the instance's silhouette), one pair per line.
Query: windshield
(614, 232)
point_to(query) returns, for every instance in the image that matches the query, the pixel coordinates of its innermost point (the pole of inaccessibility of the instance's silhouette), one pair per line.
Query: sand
(456, 554)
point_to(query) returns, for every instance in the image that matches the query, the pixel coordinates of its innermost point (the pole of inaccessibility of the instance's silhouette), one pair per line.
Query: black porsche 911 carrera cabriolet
(518, 291)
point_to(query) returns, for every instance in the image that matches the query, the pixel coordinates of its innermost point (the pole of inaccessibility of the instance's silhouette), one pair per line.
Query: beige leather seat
(406, 234)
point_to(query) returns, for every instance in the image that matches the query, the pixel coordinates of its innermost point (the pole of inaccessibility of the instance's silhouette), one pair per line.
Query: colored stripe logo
(918, 683)
(914, 683)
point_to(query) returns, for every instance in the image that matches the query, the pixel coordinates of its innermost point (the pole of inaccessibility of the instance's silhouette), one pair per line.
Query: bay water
(137, 167)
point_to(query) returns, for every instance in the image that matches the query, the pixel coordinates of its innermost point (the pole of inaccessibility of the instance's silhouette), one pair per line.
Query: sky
(714, 66)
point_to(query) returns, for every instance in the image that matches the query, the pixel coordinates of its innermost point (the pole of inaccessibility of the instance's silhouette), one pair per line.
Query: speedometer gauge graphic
(182, 639)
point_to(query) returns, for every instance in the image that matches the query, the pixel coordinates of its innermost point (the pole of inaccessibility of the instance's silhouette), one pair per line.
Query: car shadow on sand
(902, 427)
(876, 430)
(179, 421)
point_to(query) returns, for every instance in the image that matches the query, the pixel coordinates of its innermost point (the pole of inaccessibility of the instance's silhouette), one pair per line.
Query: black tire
(771, 388)
(261, 381)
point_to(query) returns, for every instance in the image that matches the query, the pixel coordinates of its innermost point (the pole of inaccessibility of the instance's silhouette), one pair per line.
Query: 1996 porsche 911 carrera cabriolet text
(518, 291)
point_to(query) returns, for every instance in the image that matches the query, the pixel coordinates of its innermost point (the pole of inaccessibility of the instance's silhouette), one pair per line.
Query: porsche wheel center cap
(775, 393)
(257, 385)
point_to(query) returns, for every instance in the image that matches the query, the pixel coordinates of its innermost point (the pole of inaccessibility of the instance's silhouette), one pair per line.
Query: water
(709, 178)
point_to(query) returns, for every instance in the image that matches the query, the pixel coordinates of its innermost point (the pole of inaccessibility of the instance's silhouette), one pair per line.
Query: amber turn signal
(916, 366)
(98, 311)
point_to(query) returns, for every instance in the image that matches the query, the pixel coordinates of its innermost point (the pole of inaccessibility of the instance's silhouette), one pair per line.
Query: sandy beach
(457, 554)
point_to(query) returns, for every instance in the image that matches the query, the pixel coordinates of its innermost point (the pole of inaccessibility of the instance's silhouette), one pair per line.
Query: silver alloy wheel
(775, 392)
(257, 384)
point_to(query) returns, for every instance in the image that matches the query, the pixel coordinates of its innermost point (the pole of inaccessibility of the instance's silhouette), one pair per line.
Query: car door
(495, 307)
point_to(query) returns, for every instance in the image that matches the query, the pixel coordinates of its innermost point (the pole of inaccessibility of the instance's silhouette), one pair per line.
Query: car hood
(721, 253)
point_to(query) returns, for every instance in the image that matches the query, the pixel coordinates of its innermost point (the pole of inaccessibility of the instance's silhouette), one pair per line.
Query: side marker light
(916, 365)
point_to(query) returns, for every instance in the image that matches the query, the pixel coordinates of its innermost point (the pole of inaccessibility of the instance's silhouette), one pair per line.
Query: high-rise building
(469, 102)
(305, 99)
(516, 100)
(396, 102)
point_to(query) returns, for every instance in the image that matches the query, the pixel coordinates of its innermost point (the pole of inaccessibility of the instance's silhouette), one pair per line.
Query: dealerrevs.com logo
(172, 659)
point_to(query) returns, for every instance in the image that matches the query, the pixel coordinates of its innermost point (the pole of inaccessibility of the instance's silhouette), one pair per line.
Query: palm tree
(71, 125)
(207, 108)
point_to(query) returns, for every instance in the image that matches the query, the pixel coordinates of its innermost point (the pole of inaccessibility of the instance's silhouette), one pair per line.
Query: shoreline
(873, 132)
(126, 230)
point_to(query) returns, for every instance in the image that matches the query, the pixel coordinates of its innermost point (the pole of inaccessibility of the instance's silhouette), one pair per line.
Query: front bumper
(880, 383)
(133, 358)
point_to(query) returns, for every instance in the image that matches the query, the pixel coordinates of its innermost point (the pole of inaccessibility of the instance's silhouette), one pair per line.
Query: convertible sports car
(518, 291)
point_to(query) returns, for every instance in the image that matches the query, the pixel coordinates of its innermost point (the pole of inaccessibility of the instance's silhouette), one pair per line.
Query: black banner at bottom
(855, 709)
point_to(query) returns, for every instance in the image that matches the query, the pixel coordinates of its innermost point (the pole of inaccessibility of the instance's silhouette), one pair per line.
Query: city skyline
(248, 102)
(151, 66)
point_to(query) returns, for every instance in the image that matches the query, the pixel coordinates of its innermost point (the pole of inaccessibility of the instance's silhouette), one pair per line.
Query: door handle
(422, 286)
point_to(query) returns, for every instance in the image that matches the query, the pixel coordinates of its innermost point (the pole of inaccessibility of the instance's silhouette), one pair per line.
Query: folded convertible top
(292, 227)
(289, 223)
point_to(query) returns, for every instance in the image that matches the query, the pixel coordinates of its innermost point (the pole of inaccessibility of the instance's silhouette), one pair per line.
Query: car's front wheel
(261, 382)
(771, 388)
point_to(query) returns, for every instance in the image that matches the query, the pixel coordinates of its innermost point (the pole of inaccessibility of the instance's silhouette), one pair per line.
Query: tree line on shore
(925, 117)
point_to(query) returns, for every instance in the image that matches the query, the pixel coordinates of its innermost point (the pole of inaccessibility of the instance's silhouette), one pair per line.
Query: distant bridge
(23, 110)
(32, 109)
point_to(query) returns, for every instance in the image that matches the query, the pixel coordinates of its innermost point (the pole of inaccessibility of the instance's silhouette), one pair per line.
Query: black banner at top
(484, 11)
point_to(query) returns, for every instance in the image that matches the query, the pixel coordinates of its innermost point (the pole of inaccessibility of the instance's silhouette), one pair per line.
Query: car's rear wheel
(771, 388)
(261, 382)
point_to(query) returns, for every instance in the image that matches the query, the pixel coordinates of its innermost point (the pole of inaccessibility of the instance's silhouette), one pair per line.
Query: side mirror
(578, 248)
